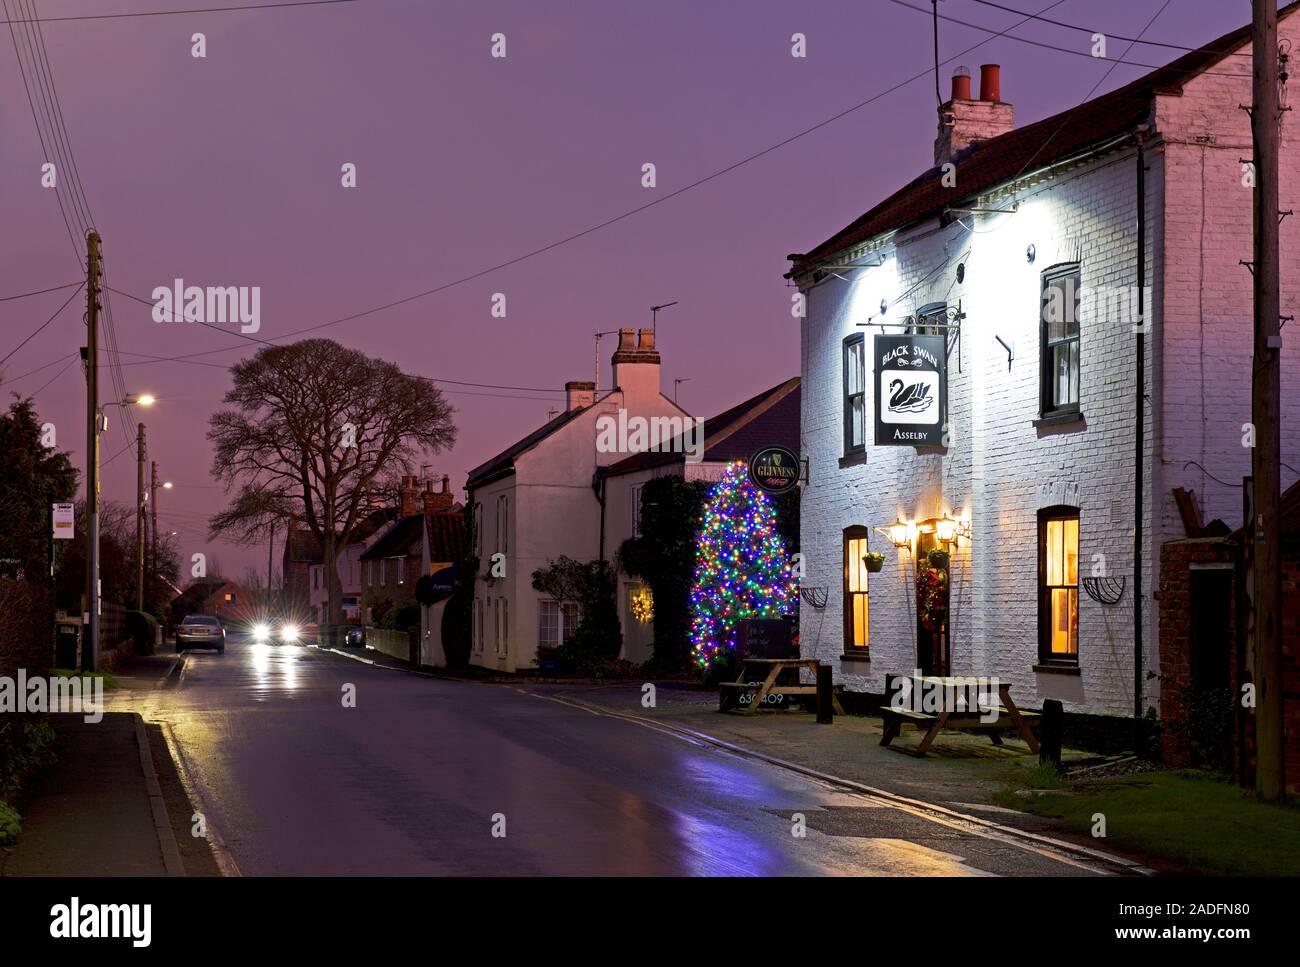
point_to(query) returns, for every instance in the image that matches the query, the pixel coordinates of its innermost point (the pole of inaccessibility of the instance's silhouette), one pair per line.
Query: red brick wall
(1176, 559)
(1175, 609)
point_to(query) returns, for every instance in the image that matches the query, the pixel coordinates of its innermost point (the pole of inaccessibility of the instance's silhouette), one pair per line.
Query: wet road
(420, 773)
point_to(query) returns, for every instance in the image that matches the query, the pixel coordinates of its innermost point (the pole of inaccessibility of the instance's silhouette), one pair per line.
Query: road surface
(423, 776)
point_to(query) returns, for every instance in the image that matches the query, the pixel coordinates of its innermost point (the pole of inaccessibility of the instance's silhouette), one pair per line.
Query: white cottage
(540, 499)
(1042, 448)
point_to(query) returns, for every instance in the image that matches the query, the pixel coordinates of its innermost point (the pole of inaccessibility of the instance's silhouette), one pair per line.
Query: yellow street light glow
(167, 485)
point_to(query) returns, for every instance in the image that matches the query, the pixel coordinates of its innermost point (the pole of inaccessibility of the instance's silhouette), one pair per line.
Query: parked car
(356, 638)
(201, 631)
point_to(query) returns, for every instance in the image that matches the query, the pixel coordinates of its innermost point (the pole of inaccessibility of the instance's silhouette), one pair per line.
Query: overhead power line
(25, 295)
(38, 329)
(182, 12)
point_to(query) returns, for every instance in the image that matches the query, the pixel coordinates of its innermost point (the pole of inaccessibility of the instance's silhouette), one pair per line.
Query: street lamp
(900, 534)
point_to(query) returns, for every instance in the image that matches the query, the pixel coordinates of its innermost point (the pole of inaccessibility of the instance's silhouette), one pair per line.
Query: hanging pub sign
(774, 470)
(911, 390)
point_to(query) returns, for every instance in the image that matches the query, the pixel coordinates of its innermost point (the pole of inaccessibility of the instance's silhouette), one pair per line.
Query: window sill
(855, 656)
(1060, 419)
(1057, 668)
(853, 459)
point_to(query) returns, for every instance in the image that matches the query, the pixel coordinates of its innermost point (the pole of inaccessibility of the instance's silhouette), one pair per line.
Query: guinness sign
(774, 470)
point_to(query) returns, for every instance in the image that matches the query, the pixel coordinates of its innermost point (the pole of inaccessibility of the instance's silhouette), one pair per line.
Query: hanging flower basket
(938, 559)
(873, 561)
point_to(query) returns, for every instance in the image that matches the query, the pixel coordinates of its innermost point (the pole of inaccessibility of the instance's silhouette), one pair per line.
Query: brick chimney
(636, 363)
(437, 502)
(578, 394)
(408, 497)
(964, 123)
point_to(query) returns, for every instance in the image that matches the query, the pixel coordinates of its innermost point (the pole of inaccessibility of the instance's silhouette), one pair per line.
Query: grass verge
(1194, 819)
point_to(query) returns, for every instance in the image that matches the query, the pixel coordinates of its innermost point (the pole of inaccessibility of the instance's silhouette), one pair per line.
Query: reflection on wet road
(415, 774)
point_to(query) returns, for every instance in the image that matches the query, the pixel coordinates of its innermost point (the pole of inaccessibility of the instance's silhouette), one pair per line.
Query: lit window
(1058, 584)
(855, 394)
(636, 510)
(855, 589)
(1059, 322)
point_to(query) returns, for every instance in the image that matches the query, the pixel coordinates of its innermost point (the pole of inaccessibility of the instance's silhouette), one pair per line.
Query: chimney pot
(990, 82)
(626, 340)
(961, 84)
(647, 340)
(446, 484)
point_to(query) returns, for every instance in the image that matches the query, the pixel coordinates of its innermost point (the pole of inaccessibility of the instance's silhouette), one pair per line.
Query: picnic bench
(729, 692)
(993, 719)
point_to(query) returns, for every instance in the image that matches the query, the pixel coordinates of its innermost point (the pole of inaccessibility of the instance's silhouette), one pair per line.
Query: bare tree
(313, 431)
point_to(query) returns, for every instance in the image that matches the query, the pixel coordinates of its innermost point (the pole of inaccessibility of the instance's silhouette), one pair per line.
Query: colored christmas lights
(741, 567)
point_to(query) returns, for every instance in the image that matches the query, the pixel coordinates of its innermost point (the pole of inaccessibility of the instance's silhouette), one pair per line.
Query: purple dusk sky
(226, 171)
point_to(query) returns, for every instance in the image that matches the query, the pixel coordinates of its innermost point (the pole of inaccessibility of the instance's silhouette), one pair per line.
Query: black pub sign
(774, 469)
(911, 382)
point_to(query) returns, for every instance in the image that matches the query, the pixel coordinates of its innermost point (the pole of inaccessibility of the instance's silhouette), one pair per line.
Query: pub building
(980, 495)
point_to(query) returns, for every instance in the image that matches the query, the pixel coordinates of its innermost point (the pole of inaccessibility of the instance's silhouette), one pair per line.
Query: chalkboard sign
(764, 638)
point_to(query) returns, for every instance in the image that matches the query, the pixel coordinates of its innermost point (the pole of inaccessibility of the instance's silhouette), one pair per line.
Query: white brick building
(1034, 447)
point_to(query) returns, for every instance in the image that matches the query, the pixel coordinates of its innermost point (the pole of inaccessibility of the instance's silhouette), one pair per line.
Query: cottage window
(478, 529)
(855, 395)
(1059, 341)
(1058, 584)
(478, 626)
(556, 621)
(503, 519)
(855, 589)
(503, 626)
(636, 510)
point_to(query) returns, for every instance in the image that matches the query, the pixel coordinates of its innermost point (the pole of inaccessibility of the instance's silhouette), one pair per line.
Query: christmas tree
(741, 567)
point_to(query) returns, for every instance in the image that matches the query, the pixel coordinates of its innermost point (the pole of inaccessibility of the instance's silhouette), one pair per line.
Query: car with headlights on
(201, 631)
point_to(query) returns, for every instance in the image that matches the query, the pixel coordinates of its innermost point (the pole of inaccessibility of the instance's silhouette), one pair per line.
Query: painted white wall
(553, 511)
(1001, 469)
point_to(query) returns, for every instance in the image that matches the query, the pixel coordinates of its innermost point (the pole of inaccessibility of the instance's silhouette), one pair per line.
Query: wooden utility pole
(1270, 783)
(139, 517)
(90, 638)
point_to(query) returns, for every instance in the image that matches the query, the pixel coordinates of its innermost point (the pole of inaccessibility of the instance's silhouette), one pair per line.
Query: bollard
(1050, 734)
(825, 695)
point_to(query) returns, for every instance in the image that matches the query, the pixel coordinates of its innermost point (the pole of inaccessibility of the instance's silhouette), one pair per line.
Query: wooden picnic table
(950, 717)
(729, 691)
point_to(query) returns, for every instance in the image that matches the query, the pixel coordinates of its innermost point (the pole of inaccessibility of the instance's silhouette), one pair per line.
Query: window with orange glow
(1058, 584)
(856, 586)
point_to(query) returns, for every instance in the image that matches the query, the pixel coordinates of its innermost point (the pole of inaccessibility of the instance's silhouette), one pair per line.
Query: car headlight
(261, 631)
(289, 633)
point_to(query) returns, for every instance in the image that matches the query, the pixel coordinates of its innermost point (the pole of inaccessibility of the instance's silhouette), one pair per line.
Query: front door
(931, 606)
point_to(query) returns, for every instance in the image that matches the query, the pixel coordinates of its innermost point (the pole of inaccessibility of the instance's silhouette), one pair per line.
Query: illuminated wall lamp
(900, 534)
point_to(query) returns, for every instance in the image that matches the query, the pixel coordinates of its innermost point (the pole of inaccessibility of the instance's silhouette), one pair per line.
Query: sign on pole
(774, 469)
(911, 377)
(63, 523)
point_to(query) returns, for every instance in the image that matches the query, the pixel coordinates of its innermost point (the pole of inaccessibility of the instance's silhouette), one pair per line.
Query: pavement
(305, 762)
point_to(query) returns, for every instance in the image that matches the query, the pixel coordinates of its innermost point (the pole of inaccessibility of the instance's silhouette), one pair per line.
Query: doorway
(932, 585)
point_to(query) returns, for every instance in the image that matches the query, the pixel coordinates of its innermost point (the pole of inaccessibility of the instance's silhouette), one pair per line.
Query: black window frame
(846, 398)
(1047, 404)
(855, 532)
(1045, 654)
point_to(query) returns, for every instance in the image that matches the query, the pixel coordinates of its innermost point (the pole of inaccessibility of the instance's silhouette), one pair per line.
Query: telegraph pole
(1270, 784)
(90, 641)
(139, 517)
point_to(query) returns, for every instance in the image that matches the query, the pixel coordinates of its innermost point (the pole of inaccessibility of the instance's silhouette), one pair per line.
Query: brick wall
(1177, 559)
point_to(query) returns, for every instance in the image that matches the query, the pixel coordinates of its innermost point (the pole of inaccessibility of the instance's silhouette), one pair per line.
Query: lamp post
(90, 645)
(153, 511)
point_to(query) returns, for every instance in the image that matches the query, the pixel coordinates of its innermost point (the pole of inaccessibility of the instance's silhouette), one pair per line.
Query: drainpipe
(1139, 438)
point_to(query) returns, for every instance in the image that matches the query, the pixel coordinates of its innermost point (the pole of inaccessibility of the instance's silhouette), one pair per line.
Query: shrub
(143, 629)
(401, 617)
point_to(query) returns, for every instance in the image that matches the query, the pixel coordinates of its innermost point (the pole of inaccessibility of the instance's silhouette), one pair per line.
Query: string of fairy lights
(742, 570)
